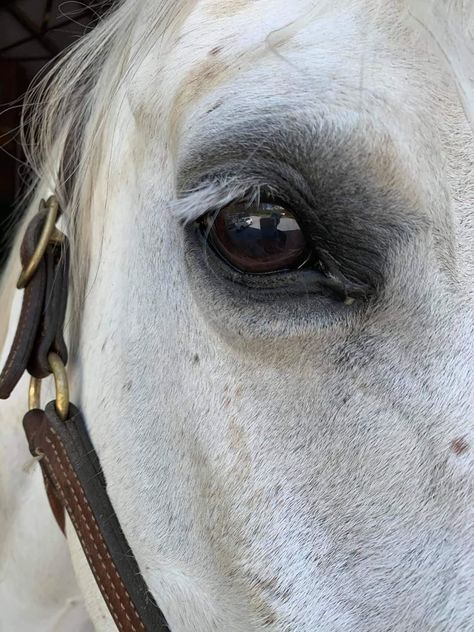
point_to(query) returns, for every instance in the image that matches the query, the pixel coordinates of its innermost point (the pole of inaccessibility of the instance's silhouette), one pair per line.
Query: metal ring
(28, 271)
(34, 394)
(61, 383)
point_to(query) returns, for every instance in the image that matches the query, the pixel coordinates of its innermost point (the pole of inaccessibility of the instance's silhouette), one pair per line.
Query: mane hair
(66, 114)
(65, 117)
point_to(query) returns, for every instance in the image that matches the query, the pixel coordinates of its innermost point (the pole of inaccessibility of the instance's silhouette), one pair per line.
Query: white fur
(300, 474)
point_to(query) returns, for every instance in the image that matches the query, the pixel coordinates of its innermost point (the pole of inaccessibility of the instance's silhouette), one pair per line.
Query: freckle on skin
(459, 446)
(214, 107)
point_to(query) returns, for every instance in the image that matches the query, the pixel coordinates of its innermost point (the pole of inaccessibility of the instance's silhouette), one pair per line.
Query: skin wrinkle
(303, 475)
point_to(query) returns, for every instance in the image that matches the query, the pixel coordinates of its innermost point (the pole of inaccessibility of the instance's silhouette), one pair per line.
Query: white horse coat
(278, 461)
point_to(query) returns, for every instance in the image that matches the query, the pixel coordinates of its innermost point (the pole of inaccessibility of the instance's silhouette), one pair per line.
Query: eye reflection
(258, 238)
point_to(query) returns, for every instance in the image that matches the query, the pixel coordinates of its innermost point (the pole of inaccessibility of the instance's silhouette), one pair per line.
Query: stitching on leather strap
(105, 551)
(84, 544)
(94, 522)
(21, 331)
(84, 547)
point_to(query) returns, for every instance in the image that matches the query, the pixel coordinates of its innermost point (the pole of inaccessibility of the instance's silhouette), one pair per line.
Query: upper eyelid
(222, 183)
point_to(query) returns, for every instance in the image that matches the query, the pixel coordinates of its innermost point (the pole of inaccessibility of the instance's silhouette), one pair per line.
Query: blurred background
(32, 34)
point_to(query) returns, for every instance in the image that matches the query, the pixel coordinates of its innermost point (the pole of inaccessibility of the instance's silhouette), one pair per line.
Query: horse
(270, 209)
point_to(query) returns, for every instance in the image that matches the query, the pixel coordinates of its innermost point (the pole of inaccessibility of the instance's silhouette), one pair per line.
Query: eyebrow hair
(209, 195)
(223, 164)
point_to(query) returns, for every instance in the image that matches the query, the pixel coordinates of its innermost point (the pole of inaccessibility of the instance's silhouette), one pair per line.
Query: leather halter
(58, 436)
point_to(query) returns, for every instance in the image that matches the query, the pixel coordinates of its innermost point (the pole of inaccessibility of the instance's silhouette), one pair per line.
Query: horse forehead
(237, 26)
(216, 35)
(219, 40)
(227, 8)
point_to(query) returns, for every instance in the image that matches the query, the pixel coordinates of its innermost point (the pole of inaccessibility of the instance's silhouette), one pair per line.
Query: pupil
(259, 239)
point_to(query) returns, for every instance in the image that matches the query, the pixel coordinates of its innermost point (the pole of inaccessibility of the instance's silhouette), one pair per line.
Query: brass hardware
(57, 237)
(47, 233)
(61, 383)
(34, 394)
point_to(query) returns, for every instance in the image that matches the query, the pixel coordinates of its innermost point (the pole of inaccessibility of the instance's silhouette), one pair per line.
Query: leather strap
(40, 327)
(49, 336)
(72, 471)
(30, 316)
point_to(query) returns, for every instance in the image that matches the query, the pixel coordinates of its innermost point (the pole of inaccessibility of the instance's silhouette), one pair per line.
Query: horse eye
(257, 238)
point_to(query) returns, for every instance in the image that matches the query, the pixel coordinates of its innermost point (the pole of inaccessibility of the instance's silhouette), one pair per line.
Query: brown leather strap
(49, 336)
(71, 470)
(30, 316)
(40, 326)
(73, 473)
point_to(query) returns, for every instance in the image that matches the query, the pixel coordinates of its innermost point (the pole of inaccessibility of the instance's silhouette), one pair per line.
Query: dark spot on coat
(459, 446)
(196, 358)
(214, 107)
(215, 51)
(128, 385)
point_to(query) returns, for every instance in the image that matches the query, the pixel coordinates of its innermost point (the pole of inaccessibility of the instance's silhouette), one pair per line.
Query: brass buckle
(62, 387)
(48, 234)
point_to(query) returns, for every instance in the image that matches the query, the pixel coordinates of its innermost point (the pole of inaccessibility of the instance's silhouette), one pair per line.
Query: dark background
(32, 34)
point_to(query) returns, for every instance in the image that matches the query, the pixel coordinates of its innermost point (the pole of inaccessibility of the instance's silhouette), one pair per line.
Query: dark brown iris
(258, 238)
